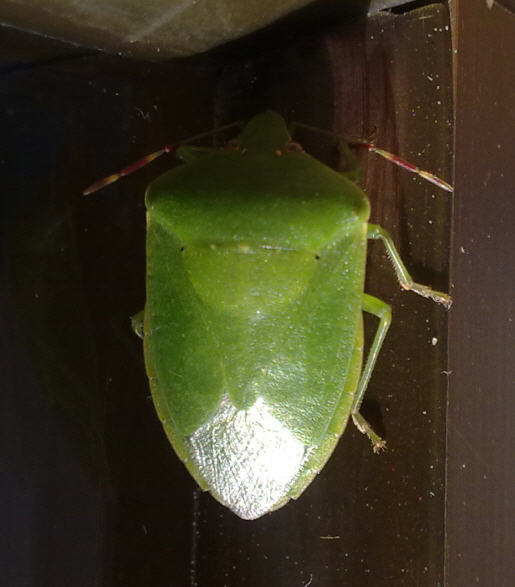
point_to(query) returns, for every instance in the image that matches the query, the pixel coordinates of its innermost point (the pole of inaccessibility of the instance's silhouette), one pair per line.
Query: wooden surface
(97, 493)
(480, 511)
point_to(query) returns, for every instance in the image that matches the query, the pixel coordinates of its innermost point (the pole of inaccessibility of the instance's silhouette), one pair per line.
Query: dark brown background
(95, 494)
(480, 511)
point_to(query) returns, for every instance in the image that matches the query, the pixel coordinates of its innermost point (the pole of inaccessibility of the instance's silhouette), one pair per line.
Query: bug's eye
(317, 257)
(182, 249)
(293, 147)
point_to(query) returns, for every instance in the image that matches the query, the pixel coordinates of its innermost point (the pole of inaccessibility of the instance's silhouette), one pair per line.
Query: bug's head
(266, 131)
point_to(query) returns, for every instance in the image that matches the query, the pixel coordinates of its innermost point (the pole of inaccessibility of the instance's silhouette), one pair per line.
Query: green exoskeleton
(253, 327)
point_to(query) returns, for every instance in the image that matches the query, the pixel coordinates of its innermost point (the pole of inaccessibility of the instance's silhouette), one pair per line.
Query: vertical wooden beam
(480, 509)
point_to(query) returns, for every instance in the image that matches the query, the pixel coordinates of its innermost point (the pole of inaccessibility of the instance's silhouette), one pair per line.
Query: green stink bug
(252, 327)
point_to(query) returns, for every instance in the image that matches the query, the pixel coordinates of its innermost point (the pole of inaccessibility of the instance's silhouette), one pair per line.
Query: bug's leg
(353, 171)
(137, 323)
(382, 310)
(377, 232)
